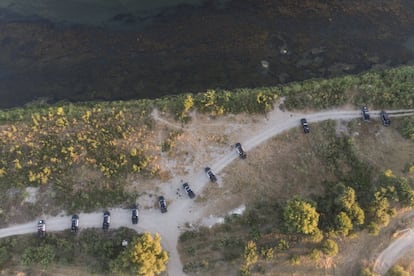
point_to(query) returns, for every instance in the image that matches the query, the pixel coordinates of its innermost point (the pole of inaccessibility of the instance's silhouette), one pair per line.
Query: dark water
(82, 50)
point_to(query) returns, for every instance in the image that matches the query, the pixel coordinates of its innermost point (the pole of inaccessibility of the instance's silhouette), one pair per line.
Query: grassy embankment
(84, 156)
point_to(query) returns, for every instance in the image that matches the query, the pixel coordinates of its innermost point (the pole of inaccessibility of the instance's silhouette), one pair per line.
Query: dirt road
(184, 210)
(393, 252)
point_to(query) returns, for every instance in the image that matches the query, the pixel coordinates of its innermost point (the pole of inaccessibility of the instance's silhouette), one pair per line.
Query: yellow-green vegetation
(81, 154)
(397, 270)
(391, 88)
(367, 271)
(330, 247)
(144, 256)
(301, 217)
(250, 257)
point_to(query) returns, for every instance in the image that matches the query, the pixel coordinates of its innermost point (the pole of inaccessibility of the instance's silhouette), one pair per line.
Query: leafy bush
(295, 260)
(367, 271)
(143, 256)
(397, 270)
(315, 255)
(343, 224)
(283, 245)
(330, 247)
(267, 254)
(300, 217)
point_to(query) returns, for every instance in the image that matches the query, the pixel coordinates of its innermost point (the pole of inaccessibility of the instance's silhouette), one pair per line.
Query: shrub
(267, 254)
(315, 255)
(144, 256)
(367, 271)
(295, 260)
(300, 217)
(283, 245)
(343, 224)
(397, 270)
(330, 247)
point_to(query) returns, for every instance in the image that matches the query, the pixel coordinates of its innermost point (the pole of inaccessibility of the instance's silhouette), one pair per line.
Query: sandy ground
(203, 142)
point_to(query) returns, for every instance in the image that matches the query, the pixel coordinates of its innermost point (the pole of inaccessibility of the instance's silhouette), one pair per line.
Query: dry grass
(383, 148)
(288, 166)
(282, 168)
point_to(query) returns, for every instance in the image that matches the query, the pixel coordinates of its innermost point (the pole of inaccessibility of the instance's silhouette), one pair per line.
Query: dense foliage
(301, 217)
(143, 256)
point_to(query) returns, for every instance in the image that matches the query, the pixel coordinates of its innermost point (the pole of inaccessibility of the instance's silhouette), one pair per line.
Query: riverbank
(192, 49)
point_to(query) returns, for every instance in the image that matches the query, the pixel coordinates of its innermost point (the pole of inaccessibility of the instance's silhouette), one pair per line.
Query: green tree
(356, 214)
(144, 256)
(397, 270)
(345, 196)
(301, 217)
(380, 210)
(343, 224)
(330, 247)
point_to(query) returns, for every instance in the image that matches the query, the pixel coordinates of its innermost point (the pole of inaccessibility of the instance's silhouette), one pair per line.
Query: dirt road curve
(393, 252)
(181, 211)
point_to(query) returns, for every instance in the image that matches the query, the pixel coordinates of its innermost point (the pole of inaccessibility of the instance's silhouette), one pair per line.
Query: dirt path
(393, 252)
(183, 210)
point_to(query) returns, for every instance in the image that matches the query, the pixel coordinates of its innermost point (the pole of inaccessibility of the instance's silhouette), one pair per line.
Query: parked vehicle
(365, 113)
(75, 224)
(106, 221)
(210, 174)
(305, 125)
(41, 228)
(240, 151)
(385, 118)
(163, 204)
(134, 215)
(188, 190)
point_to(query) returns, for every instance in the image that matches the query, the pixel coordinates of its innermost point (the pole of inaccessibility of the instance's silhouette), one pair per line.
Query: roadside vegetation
(55, 147)
(92, 250)
(306, 220)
